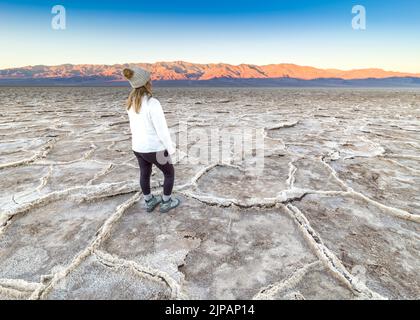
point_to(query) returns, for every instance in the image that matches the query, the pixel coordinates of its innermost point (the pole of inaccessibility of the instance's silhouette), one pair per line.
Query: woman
(151, 141)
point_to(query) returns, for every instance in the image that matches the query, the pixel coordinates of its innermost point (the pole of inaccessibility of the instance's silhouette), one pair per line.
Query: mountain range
(186, 73)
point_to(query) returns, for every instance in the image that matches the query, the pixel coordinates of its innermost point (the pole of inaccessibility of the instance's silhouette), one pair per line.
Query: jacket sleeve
(159, 122)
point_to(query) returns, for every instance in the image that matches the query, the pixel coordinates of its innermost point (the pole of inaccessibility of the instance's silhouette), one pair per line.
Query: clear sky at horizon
(316, 33)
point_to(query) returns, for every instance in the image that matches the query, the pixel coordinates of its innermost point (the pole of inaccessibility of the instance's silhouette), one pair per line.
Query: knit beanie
(137, 77)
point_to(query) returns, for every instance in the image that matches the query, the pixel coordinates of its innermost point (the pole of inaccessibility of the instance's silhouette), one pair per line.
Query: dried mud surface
(334, 215)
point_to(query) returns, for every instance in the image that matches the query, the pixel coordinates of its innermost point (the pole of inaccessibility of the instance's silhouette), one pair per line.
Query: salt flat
(334, 214)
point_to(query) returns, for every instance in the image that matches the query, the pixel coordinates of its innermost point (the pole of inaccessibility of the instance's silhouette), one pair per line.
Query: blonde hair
(136, 94)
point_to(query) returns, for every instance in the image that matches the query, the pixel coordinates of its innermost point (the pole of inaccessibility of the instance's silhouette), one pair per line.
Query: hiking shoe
(152, 203)
(172, 203)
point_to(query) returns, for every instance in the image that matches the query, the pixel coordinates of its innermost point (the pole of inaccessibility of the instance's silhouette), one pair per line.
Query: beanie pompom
(128, 73)
(137, 76)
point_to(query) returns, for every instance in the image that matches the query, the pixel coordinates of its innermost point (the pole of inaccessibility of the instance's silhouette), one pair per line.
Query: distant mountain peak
(183, 70)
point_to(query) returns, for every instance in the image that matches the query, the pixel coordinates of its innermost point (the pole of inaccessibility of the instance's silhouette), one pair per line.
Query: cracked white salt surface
(335, 214)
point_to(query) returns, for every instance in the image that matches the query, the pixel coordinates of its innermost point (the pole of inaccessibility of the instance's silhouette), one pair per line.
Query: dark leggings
(161, 160)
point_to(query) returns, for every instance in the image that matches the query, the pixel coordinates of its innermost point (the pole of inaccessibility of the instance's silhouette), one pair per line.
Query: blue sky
(316, 33)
